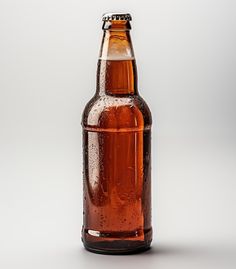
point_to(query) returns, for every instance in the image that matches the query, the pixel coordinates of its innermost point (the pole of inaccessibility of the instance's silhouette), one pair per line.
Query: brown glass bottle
(116, 150)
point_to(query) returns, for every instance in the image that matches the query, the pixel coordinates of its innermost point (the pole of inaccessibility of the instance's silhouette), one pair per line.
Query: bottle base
(117, 247)
(117, 242)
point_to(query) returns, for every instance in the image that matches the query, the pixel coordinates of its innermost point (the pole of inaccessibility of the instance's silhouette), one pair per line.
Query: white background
(186, 60)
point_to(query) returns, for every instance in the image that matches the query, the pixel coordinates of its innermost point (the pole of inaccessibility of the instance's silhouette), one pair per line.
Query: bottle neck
(116, 72)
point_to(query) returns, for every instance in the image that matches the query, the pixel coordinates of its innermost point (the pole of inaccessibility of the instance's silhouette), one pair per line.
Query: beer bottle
(116, 150)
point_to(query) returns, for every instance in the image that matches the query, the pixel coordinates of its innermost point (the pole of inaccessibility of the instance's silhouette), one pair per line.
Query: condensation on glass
(116, 150)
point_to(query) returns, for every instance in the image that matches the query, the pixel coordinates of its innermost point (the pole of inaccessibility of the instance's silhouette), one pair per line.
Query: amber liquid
(117, 164)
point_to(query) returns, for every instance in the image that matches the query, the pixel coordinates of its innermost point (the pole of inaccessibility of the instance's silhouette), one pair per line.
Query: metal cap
(116, 17)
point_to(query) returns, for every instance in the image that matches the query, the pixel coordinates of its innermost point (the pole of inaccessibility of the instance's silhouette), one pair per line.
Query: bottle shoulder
(114, 111)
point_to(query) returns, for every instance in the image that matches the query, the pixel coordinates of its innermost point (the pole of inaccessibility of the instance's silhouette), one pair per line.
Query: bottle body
(117, 163)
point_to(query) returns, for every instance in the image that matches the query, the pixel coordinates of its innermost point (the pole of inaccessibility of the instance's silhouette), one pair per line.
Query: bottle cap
(116, 17)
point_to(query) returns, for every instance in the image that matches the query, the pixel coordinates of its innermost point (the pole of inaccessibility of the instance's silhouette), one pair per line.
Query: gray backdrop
(186, 59)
